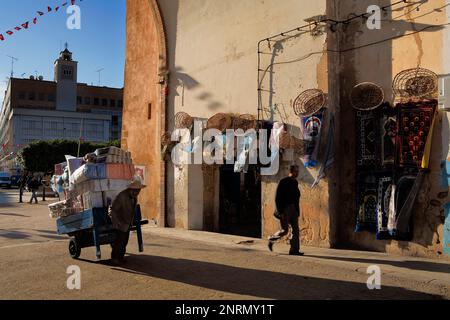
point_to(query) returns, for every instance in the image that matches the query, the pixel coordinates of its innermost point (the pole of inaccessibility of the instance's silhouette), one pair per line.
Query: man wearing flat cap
(122, 215)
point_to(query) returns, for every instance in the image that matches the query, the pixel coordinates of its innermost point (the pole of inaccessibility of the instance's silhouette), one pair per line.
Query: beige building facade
(206, 57)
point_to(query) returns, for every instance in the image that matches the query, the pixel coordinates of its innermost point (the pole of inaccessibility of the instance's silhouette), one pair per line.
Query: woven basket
(244, 122)
(220, 121)
(416, 83)
(309, 102)
(183, 121)
(366, 96)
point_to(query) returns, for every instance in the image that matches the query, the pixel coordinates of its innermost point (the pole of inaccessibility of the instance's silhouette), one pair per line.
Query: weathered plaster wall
(212, 48)
(379, 63)
(141, 131)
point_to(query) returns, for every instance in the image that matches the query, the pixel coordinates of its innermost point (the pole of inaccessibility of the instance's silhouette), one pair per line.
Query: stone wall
(144, 105)
(377, 56)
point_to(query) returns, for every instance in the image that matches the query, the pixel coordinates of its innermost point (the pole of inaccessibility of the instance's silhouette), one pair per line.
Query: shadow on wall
(361, 49)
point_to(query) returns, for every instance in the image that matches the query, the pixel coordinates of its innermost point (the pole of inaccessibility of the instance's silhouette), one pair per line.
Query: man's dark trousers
(119, 247)
(289, 217)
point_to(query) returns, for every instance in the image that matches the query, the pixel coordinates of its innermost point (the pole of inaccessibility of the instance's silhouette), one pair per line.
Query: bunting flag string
(26, 24)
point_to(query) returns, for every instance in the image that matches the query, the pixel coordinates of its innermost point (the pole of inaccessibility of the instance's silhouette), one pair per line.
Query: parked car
(15, 179)
(5, 179)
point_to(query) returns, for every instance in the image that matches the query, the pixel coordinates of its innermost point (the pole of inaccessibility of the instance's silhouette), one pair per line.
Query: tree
(41, 156)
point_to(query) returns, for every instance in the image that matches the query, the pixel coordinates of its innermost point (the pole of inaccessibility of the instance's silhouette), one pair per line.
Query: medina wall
(213, 68)
(408, 38)
(144, 100)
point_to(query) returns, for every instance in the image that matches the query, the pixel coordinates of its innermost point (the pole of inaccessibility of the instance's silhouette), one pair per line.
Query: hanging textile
(194, 146)
(392, 212)
(406, 204)
(329, 154)
(367, 142)
(367, 200)
(389, 136)
(385, 186)
(311, 130)
(415, 123)
(404, 188)
(274, 141)
(241, 164)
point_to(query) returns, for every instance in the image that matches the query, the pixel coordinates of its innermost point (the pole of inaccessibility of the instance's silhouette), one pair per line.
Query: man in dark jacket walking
(287, 201)
(34, 185)
(122, 215)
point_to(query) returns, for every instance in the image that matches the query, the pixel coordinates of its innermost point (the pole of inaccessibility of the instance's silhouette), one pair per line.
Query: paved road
(183, 265)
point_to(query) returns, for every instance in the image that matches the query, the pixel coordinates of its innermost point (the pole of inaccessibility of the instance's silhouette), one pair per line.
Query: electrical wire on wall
(332, 24)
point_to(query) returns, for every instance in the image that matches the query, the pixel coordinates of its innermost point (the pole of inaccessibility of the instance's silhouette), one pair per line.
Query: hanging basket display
(415, 83)
(309, 102)
(183, 121)
(366, 96)
(220, 121)
(245, 122)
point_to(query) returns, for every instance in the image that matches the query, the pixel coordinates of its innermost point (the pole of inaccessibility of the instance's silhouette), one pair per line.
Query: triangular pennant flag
(64, 4)
(2, 38)
(40, 13)
(49, 9)
(34, 20)
(25, 25)
(18, 28)
(56, 9)
(9, 32)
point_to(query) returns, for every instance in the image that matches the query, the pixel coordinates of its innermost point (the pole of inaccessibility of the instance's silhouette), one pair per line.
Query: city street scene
(205, 150)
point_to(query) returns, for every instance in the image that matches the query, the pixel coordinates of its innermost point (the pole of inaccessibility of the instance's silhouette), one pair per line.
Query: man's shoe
(296, 253)
(270, 245)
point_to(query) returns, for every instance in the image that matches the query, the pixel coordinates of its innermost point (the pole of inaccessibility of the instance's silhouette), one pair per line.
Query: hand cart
(93, 228)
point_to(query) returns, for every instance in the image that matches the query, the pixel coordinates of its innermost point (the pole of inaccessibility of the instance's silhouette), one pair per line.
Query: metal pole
(20, 194)
(43, 190)
(79, 140)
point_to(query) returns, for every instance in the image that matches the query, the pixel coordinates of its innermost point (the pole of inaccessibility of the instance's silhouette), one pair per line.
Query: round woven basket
(244, 122)
(415, 83)
(366, 96)
(220, 121)
(309, 102)
(183, 121)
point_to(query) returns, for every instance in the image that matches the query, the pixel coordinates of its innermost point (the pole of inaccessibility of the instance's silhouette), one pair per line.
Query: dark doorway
(240, 202)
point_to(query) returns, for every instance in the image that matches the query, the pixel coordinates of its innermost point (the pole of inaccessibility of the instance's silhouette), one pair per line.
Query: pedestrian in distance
(33, 186)
(287, 201)
(122, 214)
(22, 186)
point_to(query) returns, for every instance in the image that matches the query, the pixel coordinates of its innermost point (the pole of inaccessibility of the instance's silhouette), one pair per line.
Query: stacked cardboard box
(95, 180)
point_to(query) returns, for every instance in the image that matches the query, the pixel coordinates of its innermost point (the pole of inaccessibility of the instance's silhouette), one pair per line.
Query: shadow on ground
(256, 283)
(413, 265)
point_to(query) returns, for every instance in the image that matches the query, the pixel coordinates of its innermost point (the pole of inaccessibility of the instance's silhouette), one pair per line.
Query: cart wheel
(74, 249)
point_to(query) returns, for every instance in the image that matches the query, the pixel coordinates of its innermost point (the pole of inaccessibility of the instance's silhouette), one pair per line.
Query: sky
(100, 43)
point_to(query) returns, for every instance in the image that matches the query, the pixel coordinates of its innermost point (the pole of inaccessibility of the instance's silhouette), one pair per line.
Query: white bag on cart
(92, 200)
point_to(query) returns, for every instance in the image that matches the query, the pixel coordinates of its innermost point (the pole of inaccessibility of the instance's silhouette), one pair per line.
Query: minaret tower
(66, 81)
